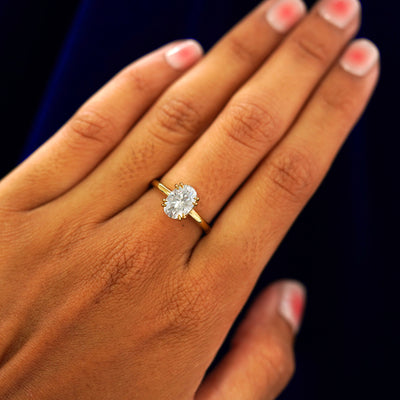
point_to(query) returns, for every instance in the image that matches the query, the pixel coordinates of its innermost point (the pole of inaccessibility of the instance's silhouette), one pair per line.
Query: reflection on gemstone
(180, 202)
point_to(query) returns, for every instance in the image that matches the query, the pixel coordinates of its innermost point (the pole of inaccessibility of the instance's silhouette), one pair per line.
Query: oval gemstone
(180, 202)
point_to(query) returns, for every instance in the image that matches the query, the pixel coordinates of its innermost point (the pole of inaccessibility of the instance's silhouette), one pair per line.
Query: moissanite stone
(180, 202)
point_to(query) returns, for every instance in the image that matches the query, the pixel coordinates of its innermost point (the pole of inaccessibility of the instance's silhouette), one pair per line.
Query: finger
(260, 361)
(183, 112)
(257, 117)
(96, 128)
(254, 222)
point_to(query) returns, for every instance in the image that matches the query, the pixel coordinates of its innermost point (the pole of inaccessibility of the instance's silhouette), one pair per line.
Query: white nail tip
(360, 57)
(292, 303)
(285, 13)
(339, 12)
(184, 54)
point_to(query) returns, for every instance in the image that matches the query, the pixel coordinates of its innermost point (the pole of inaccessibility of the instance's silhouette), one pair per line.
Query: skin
(104, 297)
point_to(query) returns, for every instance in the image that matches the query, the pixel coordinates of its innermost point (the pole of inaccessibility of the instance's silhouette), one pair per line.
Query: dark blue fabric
(107, 35)
(343, 246)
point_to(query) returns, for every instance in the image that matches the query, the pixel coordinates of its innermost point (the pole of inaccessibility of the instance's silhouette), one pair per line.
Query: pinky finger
(261, 360)
(96, 128)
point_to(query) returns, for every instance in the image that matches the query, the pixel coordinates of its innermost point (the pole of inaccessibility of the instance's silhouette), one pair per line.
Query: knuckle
(339, 100)
(250, 124)
(176, 116)
(90, 125)
(241, 50)
(292, 173)
(307, 45)
(137, 78)
(280, 361)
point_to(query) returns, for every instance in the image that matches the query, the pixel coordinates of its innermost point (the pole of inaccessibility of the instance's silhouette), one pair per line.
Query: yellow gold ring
(180, 202)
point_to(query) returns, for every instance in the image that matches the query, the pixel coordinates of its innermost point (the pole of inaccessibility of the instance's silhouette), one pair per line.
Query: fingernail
(284, 14)
(184, 54)
(339, 12)
(360, 57)
(292, 302)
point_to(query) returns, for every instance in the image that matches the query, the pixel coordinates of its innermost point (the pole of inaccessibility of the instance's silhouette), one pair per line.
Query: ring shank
(203, 224)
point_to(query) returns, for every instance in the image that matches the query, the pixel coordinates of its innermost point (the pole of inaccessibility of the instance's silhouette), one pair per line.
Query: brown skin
(104, 297)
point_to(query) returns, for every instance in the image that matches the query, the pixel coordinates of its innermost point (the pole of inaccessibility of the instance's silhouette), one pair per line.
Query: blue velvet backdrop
(343, 246)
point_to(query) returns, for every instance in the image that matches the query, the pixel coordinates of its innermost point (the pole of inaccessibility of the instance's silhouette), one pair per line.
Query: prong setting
(180, 201)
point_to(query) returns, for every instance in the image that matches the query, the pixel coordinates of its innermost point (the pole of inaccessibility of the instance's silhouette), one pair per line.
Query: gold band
(203, 224)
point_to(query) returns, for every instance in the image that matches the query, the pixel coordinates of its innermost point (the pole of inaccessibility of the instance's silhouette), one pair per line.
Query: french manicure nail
(292, 302)
(284, 14)
(339, 12)
(184, 55)
(360, 57)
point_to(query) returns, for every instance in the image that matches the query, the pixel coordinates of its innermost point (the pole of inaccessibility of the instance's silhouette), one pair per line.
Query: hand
(102, 296)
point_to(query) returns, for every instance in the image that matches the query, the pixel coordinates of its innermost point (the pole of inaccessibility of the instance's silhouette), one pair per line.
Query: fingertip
(183, 55)
(292, 302)
(284, 14)
(360, 57)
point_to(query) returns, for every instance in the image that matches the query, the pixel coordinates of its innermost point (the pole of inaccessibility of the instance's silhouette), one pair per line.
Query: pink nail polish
(284, 14)
(339, 12)
(184, 55)
(292, 302)
(360, 57)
